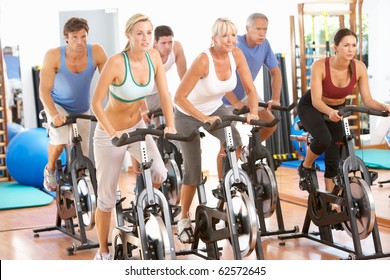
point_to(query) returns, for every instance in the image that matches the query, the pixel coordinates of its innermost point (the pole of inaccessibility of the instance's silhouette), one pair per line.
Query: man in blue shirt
(12, 63)
(64, 88)
(258, 52)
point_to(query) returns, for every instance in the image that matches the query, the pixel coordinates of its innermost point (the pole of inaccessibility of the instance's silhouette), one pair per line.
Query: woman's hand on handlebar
(212, 119)
(118, 134)
(170, 130)
(334, 116)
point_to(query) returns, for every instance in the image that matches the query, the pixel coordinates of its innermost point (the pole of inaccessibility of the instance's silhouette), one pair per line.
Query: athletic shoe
(102, 257)
(185, 231)
(306, 178)
(49, 180)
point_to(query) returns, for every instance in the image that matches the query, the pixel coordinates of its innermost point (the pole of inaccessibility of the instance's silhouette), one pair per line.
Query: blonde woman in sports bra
(128, 77)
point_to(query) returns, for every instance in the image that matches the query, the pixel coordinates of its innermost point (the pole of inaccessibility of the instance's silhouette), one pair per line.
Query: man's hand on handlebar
(272, 103)
(250, 117)
(59, 120)
(145, 116)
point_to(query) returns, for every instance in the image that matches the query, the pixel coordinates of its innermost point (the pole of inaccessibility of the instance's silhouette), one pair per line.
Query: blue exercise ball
(296, 131)
(27, 156)
(13, 129)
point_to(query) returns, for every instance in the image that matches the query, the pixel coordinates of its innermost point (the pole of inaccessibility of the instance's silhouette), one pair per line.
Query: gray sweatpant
(109, 158)
(191, 151)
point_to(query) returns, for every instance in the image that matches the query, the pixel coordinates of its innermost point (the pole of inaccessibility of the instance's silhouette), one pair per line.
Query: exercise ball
(27, 156)
(296, 131)
(13, 129)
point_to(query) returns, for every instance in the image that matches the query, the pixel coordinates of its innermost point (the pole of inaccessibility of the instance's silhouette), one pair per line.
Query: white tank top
(208, 92)
(167, 65)
(170, 61)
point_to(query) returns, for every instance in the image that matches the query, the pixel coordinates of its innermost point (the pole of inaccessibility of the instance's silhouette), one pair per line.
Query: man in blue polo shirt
(258, 52)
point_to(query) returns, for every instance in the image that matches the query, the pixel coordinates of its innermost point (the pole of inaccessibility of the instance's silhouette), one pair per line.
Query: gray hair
(253, 17)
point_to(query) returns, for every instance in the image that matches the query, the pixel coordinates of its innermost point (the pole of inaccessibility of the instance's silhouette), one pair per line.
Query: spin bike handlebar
(155, 113)
(348, 110)
(244, 109)
(278, 108)
(228, 119)
(72, 118)
(140, 133)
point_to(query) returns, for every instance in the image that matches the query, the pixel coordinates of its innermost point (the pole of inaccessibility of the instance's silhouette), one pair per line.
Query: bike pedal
(65, 188)
(217, 193)
(337, 226)
(304, 186)
(129, 218)
(120, 201)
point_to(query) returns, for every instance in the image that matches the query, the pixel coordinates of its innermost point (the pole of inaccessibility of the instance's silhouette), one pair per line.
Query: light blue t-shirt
(256, 57)
(13, 66)
(72, 90)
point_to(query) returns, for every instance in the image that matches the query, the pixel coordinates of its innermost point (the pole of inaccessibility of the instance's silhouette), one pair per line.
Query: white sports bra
(129, 90)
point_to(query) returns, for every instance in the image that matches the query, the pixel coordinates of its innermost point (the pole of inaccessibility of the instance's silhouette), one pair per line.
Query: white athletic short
(63, 135)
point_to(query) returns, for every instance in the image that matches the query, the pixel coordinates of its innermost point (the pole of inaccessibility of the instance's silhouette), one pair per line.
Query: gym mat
(375, 158)
(14, 195)
(53, 194)
(296, 163)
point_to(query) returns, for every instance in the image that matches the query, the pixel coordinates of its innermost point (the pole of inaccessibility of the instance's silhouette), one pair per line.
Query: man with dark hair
(171, 52)
(65, 81)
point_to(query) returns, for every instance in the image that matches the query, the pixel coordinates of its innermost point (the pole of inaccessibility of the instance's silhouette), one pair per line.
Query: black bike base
(324, 236)
(196, 252)
(69, 229)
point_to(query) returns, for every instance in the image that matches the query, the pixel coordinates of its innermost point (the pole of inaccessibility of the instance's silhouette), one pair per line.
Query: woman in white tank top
(199, 101)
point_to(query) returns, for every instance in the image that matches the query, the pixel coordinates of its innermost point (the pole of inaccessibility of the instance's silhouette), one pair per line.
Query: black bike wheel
(364, 201)
(246, 221)
(270, 190)
(87, 200)
(173, 184)
(119, 245)
(158, 238)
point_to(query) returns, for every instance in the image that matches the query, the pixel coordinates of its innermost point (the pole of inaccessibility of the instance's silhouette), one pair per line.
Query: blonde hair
(222, 26)
(130, 25)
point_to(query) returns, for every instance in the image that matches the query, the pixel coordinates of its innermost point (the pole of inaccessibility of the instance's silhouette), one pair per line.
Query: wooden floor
(17, 241)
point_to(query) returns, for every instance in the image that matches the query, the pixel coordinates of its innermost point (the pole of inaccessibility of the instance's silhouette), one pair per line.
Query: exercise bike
(350, 206)
(76, 194)
(260, 166)
(234, 217)
(173, 161)
(146, 224)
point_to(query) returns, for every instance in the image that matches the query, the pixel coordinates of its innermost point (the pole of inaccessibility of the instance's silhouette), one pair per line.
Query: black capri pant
(325, 134)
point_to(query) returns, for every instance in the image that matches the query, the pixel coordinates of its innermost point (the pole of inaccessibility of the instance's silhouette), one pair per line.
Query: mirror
(13, 84)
